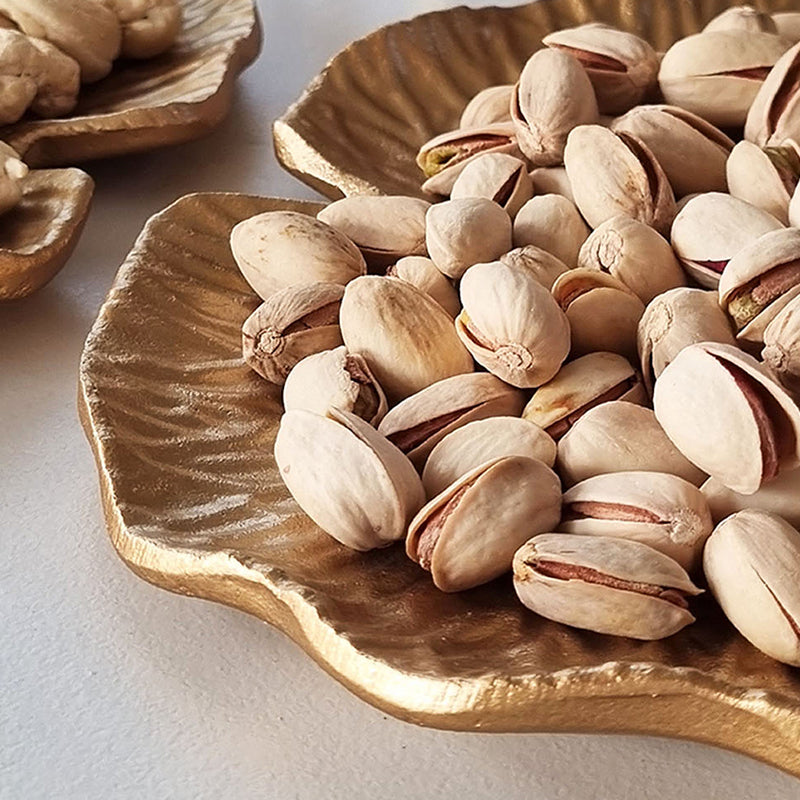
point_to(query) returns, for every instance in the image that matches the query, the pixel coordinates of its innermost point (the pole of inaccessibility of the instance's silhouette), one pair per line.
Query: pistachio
(782, 346)
(775, 112)
(615, 173)
(602, 584)
(539, 263)
(292, 324)
(552, 180)
(467, 231)
(787, 24)
(752, 563)
(489, 106)
(356, 486)
(263, 246)
(511, 324)
(467, 535)
(496, 176)
(425, 275)
(581, 385)
(620, 437)
(421, 421)
(742, 18)
(335, 379)
(484, 440)
(725, 414)
(553, 223)
(406, 337)
(554, 94)
(663, 511)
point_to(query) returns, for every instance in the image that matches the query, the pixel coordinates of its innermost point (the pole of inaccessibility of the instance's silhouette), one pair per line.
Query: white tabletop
(114, 689)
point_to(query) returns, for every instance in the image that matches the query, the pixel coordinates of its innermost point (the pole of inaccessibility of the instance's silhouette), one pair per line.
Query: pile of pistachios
(581, 354)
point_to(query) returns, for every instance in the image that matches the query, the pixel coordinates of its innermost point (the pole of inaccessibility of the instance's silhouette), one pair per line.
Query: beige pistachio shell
(284, 248)
(355, 485)
(782, 346)
(742, 18)
(787, 24)
(552, 180)
(466, 231)
(426, 276)
(603, 584)
(752, 563)
(13, 171)
(489, 106)
(544, 266)
(691, 151)
(663, 511)
(335, 379)
(553, 223)
(723, 411)
(794, 209)
(484, 440)
(406, 337)
(620, 437)
(468, 534)
(512, 325)
(421, 421)
(149, 27)
(554, 95)
(775, 113)
(613, 174)
(498, 177)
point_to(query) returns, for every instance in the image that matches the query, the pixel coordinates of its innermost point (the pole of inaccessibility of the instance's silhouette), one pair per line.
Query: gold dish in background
(183, 434)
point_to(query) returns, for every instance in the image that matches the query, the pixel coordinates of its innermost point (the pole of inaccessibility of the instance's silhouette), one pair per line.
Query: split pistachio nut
(553, 96)
(263, 245)
(292, 324)
(581, 385)
(775, 113)
(353, 483)
(335, 379)
(496, 176)
(421, 272)
(405, 336)
(604, 584)
(782, 346)
(512, 325)
(742, 18)
(616, 173)
(723, 411)
(543, 266)
(553, 223)
(466, 231)
(488, 106)
(787, 24)
(480, 441)
(421, 421)
(552, 180)
(663, 511)
(752, 563)
(620, 437)
(467, 535)
(621, 66)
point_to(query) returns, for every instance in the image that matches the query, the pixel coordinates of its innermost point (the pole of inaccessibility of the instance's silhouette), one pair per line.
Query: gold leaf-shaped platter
(359, 124)
(183, 434)
(173, 98)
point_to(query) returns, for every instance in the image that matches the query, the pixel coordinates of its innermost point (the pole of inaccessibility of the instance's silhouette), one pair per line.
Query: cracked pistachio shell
(581, 385)
(752, 564)
(489, 106)
(539, 263)
(284, 248)
(634, 253)
(466, 231)
(552, 180)
(603, 584)
(760, 280)
(421, 421)
(292, 324)
(620, 65)
(724, 412)
(717, 74)
(468, 534)
(496, 176)
(484, 440)
(775, 113)
(787, 24)
(384, 228)
(603, 312)
(742, 18)
(512, 325)
(663, 511)
(425, 275)
(335, 379)
(782, 346)
(553, 223)
(691, 151)
(675, 320)
(620, 437)
(356, 486)
(711, 229)
(405, 336)
(615, 173)
(554, 95)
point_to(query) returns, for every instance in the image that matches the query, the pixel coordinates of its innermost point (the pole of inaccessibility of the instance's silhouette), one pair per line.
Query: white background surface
(114, 689)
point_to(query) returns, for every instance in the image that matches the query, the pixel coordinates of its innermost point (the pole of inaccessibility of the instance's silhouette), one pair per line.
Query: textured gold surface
(166, 100)
(38, 235)
(359, 124)
(183, 433)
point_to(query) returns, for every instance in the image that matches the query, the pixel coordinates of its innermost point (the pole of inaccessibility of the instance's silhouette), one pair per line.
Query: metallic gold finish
(174, 98)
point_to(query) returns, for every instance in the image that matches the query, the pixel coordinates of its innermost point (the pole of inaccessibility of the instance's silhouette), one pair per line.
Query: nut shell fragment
(496, 176)
(489, 106)
(782, 346)
(426, 276)
(774, 115)
(544, 266)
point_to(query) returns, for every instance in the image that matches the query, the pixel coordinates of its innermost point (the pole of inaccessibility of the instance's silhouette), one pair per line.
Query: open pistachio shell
(782, 346)
(775, 113)
(421, 272)
(553, 223)
(742, 18)
(490, 105)
(552, 180)
(496, 176)
(544, 266)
